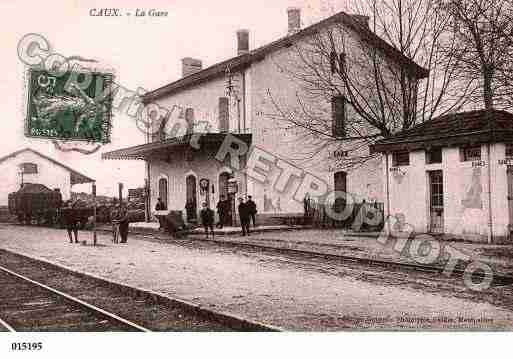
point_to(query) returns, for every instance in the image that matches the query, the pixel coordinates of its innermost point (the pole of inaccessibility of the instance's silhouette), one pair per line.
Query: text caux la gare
(109, 12)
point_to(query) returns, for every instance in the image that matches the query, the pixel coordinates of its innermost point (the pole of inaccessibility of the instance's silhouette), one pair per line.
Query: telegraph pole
(94, 215)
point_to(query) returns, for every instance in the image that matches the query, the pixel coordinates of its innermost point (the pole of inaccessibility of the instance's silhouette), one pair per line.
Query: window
(189, 118)
(224, 114)
(471, 153)
(338, 111)
(333, 62)
(28, 168)
(401, 158)
(342, 61)
(434, 155)
(509, 150)
(340, 181)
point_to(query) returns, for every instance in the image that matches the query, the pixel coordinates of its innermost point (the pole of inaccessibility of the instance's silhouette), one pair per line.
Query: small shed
(453, 175)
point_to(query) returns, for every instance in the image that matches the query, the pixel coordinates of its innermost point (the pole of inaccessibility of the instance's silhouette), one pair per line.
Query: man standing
(123, 222)
(222, 209)
(160, 206)
(252, 209)
(70, 220)
(207, 219)
(244, 217)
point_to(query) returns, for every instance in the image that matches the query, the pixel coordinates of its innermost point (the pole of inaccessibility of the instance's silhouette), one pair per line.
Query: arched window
(191, 205)
(223, 184)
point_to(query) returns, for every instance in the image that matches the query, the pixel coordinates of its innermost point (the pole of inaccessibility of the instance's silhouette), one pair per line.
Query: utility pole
(120, 192)
(94, 215)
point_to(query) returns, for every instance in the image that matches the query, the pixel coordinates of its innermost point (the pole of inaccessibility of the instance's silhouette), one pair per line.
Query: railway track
(38, 296)
(27, 305)
(269, 246)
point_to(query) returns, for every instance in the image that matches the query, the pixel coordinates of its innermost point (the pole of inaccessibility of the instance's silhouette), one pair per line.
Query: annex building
(453, 175)
(30, 166)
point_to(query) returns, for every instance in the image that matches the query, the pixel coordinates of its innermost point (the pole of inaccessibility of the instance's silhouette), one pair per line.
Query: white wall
(204, 99)
(311, 155)
(409, 193)
(49, 174)
(265, 76)
(176, 170)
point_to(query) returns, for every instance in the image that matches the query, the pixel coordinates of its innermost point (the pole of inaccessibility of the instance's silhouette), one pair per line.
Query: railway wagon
(34, 201)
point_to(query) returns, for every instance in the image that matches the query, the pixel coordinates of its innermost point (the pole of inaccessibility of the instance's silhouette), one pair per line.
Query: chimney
(190, 66)
(242, 41)
(294, 19)
(361, 19)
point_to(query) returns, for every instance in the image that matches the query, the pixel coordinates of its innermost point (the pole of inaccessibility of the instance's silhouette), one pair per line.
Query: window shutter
(338, 110)
(342, 61)
(333, 62)
(224, 114)
(189, 118)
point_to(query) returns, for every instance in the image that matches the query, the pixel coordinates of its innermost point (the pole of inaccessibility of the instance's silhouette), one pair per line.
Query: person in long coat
(222, 211)
(70, 220)
(244, 216)
(207, 219)
(123, 222)
(252, 209)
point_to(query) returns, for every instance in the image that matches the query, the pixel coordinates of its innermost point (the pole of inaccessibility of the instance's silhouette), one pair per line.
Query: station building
(237, 97)
(30, 166)
(453, 175)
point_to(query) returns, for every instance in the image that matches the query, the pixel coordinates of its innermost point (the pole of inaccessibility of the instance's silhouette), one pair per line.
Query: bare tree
(484, 33)
(386, 86)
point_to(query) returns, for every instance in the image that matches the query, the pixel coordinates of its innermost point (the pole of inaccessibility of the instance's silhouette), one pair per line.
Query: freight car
(34, 201)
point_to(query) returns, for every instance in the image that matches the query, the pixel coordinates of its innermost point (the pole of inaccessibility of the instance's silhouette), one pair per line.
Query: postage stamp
(72, 106)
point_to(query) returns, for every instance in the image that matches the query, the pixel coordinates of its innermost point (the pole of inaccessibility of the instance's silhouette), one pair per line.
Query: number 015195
(24, 346)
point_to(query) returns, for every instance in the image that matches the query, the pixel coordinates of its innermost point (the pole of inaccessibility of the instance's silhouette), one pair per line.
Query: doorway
(163, 190)
(509, 172)
(436, 201)
(340, 182)
(223, 190)
(191, 204)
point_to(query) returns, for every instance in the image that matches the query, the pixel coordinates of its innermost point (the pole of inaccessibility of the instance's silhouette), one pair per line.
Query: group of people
(118, 216)
(247, 213)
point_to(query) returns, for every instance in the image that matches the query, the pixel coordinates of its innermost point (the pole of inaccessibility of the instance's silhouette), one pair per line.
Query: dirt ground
(293, 293)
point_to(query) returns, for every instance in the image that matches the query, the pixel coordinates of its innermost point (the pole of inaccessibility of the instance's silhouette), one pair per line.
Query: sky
(144, 52)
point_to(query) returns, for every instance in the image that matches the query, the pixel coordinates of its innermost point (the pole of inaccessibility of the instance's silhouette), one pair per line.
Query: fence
(361, 214)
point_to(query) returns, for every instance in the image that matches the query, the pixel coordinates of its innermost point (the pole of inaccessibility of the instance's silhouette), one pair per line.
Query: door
(510, 196)
(340, 181)
(223, 190)
(163, 190)
(191, 204)
(436, 201)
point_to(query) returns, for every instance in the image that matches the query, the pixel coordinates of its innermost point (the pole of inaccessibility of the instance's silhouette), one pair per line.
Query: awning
(77, 178)
(148, 150)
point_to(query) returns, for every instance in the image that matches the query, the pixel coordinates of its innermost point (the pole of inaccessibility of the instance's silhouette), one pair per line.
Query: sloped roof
(145, 151)
(244, 60)
(76, 177)
(478, 126)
